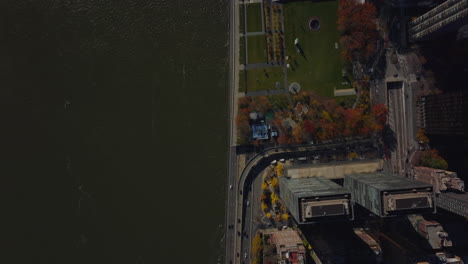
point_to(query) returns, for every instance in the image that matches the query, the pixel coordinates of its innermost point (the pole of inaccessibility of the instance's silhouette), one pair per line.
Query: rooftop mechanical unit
(315, 199)
(387, 194)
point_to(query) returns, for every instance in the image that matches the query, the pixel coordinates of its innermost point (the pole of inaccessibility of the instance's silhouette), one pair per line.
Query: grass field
(254, 17)
(264, 79)
(256, 49)
(241, 19)
(319, 70)
(242, 81)
(242, 50)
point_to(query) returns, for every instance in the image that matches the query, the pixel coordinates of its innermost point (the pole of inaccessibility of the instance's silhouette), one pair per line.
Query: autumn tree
(297, 134)
(352, 155)
(257, 245)
(380, 113)
(356, 22)
(259, 104)
(243, 128)
(274, 198)
(421, 136)
(309, 126)
(284, 139)
(279, 169)
(431, 158)
(274, 182)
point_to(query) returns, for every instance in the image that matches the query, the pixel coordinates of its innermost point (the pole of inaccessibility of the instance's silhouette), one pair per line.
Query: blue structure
(260, 130)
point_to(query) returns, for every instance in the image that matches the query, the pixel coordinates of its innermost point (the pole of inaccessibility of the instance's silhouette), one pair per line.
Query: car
(248, 203)
(245, 255)
(230, 186)
(281, 160)
(273, 162)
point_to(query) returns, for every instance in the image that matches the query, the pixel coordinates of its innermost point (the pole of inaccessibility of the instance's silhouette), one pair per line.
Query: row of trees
(312, 118)
(357, 25)
(257, 248)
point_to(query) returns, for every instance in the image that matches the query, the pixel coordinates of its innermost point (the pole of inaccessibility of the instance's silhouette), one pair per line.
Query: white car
(245, 255)
(230, 186)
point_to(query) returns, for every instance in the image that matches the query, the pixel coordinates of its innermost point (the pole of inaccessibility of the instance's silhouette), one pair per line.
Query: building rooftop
(333, 170)
(289, 246)
(313, 186)
(260, 131)
(386, 182)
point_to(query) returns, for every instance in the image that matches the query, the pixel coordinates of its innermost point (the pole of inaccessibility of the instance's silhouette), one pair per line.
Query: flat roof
(333, 170)
(386, 181)
(260, 131)
(313, 186)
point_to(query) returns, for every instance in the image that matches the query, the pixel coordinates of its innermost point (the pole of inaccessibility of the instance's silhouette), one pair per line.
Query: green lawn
(264, 79)
(241, 19)
(256, 49)
(254, 17)
(242, 81)
(242, 50)
(320, 69)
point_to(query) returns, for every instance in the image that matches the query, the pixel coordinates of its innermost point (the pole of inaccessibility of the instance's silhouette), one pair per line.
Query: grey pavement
(253, 33)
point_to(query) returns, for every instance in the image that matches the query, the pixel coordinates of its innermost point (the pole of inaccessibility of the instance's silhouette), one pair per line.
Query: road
(401, 105)
(230, 237)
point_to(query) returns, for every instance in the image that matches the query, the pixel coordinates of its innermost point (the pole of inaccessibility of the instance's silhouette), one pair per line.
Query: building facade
(443, 114)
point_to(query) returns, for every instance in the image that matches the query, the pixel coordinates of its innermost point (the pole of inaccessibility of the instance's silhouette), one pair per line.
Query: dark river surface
(114, 123)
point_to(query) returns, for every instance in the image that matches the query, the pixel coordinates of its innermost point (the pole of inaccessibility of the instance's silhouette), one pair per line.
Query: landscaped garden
(310, 117)
(254, 17)
(256, 49)
(319, 67)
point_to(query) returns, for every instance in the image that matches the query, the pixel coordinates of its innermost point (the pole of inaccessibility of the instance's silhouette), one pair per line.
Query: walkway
(267, 92)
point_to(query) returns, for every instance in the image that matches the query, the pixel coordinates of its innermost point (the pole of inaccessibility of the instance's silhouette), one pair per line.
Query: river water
(115, 129)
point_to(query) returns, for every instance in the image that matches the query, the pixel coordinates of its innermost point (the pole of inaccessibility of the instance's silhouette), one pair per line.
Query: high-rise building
(444, 114)
(450, 15)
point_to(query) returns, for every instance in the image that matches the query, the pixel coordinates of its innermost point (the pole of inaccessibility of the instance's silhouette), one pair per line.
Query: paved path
(267, 92)
(285, 69)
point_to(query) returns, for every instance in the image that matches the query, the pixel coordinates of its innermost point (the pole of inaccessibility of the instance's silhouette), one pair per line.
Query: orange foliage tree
(356, 22)
(297, 134)
(431, 158)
